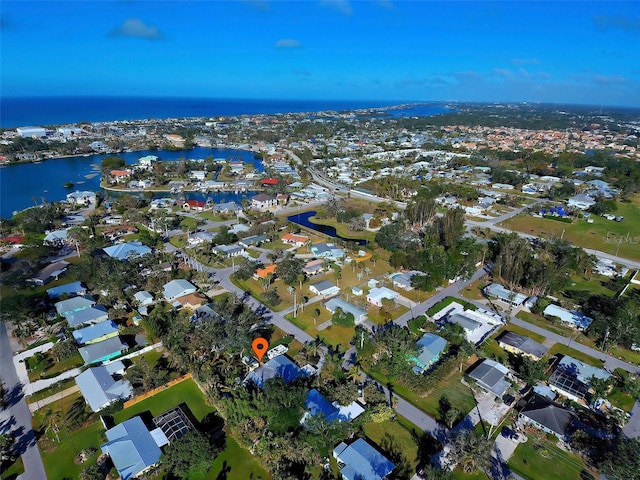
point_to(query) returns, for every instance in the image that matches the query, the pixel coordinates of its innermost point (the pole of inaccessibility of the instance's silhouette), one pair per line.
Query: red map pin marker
(260, 347)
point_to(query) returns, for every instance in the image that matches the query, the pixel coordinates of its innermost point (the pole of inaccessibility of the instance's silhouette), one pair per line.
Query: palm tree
(472, 451)
(53, 418)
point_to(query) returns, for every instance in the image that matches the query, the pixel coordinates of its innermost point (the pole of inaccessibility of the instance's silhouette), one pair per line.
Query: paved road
(450, 291)
(16, 417)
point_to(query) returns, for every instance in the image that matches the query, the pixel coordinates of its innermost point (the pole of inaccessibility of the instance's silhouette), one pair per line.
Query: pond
(303, 219)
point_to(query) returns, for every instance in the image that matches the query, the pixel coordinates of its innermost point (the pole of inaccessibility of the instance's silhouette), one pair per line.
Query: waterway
(27, 184)
(303, 219)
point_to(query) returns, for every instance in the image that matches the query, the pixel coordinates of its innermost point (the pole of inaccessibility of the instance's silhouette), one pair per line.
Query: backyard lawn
(583, 357)
(533, 458)
(184, 392)
(236, 462)
(402, 438)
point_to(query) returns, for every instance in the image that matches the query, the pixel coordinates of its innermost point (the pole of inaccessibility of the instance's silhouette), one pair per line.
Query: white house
(263, 201)
(324, 288)
(81, 198)
(177, 288)
(582, 201)
(377, 295)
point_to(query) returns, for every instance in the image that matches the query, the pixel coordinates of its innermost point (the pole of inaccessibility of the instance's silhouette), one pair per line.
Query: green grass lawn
(48, 367)
(52, 390)
(58, 458)
(343, 229)
(12, 471)
(237, 462)
(523, 331)
(583, 357)
(604, 235)
(623, 401)
(533, 459)
(403, 439)
(187, 392)
(626, 354)
(448, 301)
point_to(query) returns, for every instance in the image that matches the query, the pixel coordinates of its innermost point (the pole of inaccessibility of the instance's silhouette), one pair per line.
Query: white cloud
(288, 43)
(136, 28)
(342, 6)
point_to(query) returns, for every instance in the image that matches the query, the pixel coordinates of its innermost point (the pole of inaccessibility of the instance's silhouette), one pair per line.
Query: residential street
(16, 417)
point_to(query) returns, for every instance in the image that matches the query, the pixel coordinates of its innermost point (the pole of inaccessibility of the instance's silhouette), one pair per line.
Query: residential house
(280, 367)
(56, 238)
(191, 301)
(100, 386)
(324, 288)
(521, 345)
(265, 272)
(74, 304)
(126, 251)
(133, 449)
(317, 404)
(229, 250)
(177, 288)
(360, 461)
(504, 294)
(102, 351)
(195, 205)
(81, 198)
(547, 416)
(263, 202)
(95, 333)
(143, 298)
(197, 238)
(53, 271)
(226, 208)
(87, 316)
(403, 279)
(119, 176)
(313, 267)
(572, 378)
(73, 289)
(327, 250)
(238, 228)
(490, 375)
(253, 241)
(295, 240)
(377, 295)
(335, 303)
(427, 351)
(581, 201)
(571, 318)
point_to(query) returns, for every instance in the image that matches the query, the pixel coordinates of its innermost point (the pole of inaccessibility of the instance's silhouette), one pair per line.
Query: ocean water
(42, 111)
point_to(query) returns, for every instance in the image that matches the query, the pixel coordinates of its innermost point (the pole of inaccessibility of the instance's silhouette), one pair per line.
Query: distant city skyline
(549, 52)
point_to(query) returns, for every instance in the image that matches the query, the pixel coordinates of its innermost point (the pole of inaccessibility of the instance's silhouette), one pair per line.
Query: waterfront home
(177, 288)
(102, 385)
(263, 202)
(295, 240)
(195, 205)
(140, 184)
(521, 345)
(119, 176)
(377, 295)
(95, 333)
(324, 288)
(147, 161)
(327, 250)
(198, 175)
(490, 376)
(132, 448)
(359, 315)
(99, 147)
(547, 416)
(427, 351)
(360, 461)
(102, 351)
(53, 271)
(81, 198)
(31, 132)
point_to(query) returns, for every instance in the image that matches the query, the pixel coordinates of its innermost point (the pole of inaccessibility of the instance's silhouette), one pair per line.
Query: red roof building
(269, 181)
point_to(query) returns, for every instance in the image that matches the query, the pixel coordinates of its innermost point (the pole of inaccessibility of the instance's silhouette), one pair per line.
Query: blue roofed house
(327, 250)
(359, 315)
(177, 288)
(99, 387)
(87, 316)
(102, 351)
(72, 289)
(360, 461)
(317, 404)
(71, 305)
(280, 367)
(428, 350)
(572, 318)
(132, 447)
(95, 333)
(125, 251)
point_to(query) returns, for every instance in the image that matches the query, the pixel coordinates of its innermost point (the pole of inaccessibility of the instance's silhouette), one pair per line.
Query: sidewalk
(37, 405)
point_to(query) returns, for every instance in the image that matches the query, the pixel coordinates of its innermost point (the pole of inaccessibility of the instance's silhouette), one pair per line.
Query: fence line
(151, 393)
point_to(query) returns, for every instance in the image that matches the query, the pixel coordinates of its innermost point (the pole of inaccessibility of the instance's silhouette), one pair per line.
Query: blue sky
(566, 52)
